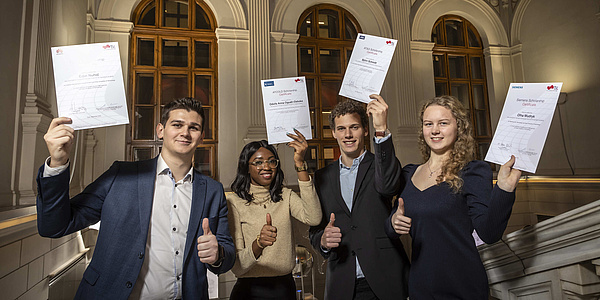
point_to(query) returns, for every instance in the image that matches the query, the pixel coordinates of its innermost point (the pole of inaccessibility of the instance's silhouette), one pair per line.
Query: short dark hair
(241, 184)
(187, 103)
(349, 107)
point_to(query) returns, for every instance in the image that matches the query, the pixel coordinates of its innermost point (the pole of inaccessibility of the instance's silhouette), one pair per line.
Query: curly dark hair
(349, 107)
(241, 183)
(187, 103)
(463, 150)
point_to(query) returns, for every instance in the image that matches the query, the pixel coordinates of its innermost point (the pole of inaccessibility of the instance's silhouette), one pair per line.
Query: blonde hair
(463, 150)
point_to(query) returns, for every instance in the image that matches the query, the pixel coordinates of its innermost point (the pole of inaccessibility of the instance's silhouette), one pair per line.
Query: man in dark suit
(363, 263)
(163, 223)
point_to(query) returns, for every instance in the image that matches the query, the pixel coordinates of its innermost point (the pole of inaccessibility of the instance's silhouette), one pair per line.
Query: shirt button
(353, 253)
(128, 284)
(174, 229)
(176, 252)
(178, 278)
(352, 227)
(175, 206)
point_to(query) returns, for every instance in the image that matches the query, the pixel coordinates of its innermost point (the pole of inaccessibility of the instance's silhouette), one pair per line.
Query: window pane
(329, 93)
(454, 33)
(144, 121)
(330, 60)
(473, 40)
(330, 153)
(310, 90)
(312, 158)
(478, 96)
(203, 159)
(476, 69)
(313, 123)
(175, 14)
(144, 88)
(441, 88)
(202, 54)
(175, 53)
(328, 23)
(461, 91)
(457, 66)
(350, 29)
(436, 34)
(439, 65)
(348, 55)
(147, 17)
(483, 149)
(202, 21)
(145, 55)
(202, 88)
(208, 126)
(325, 121)
(307, 60)
(306, 26)
(173, 87)
(142, 153)
(481, 123)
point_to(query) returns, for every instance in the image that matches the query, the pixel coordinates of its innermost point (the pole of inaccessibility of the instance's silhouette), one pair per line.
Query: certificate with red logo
(368, 66)
(524, 124)
(285, 101)
(89, 85)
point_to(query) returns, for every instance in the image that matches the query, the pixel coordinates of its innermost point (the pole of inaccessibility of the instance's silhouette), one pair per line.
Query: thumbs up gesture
(208, 247)
(332, 236)
(268, 234)
(400, 222)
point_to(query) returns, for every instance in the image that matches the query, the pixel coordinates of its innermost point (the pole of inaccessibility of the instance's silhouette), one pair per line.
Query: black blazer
(382, 260)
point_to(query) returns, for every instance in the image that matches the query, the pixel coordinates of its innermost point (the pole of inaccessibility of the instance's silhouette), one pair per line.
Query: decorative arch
(287, 13)
(479, 13)
(228, 13)
(515, 27)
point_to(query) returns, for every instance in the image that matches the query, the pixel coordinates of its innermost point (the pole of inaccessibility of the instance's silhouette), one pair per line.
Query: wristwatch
(381, 134)
(220, 257)
(304, 167)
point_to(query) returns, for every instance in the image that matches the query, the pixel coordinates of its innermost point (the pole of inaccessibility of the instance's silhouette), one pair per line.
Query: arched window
(327, 35)
(459, 69)
(173, 55)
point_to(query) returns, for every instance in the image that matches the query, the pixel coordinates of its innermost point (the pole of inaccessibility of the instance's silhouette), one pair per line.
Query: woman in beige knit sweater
(260, 220)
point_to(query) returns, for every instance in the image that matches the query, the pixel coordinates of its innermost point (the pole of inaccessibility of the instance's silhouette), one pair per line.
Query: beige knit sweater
(247, 219)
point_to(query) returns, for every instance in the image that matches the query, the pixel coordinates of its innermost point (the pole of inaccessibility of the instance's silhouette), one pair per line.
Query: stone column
(32, 103)
(498, 65)
(260, 66)
(401, 86)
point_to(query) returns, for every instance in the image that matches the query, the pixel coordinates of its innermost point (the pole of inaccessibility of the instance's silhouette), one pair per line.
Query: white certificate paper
(89, 85)
(368, 66)
(285, 101)
(524, 124)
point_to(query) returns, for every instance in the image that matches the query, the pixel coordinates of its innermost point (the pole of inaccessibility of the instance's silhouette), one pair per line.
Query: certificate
(368, 66)
(89, 85)
(286, 108)
(524, 124)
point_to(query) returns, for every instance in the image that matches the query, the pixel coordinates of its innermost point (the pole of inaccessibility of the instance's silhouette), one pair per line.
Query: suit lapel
(364, 166)
(146, 181)
(334, 177)
(196, 213)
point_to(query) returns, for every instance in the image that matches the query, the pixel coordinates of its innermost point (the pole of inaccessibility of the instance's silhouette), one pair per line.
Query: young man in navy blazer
(163, 223)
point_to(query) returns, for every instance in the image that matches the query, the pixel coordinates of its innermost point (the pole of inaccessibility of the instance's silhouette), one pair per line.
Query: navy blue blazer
(122, 199)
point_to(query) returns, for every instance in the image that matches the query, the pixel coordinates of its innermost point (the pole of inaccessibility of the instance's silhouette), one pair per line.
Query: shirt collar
(355, 162)
(163, 169)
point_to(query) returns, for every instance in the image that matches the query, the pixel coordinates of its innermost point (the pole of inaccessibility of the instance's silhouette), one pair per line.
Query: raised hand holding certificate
(524, 124)
(368, 66)
(89, 85)
(285, 101)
